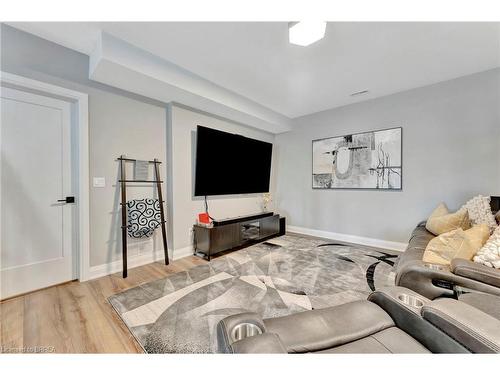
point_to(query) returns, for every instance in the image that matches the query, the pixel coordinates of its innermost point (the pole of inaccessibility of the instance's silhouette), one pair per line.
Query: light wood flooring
(76, 317)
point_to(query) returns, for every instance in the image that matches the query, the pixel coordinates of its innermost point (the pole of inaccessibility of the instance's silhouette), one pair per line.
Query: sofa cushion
(456, 244)
(442, 221)
(326, 328)
(390, 340)
(419, 239)
(409, 256)
(485, 302)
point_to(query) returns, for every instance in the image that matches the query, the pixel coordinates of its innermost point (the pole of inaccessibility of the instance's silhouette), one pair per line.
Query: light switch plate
(99, 182)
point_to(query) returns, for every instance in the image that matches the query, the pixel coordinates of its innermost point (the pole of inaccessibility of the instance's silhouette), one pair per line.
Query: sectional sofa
(432, 280)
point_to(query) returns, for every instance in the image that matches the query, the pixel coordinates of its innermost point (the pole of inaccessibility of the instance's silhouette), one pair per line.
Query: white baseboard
(183, 252)
(367, 241)
(140, 260)
(136, 261)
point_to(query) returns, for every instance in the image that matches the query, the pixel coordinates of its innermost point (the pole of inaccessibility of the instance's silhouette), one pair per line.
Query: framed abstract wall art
(370, 160)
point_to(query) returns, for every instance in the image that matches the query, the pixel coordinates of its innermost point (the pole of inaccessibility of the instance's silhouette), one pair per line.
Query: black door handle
(67, 200)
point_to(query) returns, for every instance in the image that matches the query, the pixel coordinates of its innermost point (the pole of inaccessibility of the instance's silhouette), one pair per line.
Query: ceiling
(256, 61)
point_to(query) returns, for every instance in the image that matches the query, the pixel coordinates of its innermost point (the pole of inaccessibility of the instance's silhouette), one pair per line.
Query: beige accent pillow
(456, 244)
(442, 221)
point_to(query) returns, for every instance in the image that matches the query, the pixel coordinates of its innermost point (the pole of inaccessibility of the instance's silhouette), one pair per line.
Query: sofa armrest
(429, 280)
(476, 271)
(266, 343)
(392, 299)
(434, 281)
(226, 327)
(476, 330)
(404, 307)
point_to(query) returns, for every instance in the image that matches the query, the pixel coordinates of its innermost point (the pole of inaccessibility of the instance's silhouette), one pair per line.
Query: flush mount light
(304, 33)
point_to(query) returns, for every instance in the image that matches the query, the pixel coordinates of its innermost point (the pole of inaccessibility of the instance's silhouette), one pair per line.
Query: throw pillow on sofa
(442, 221)
(489, 254)
(458, 243)
(479, 210)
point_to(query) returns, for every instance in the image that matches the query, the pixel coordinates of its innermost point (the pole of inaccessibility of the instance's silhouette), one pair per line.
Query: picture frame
(371, 160)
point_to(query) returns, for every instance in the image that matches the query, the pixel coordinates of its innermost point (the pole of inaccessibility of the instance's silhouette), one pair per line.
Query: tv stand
(238, 219)
(235, 233)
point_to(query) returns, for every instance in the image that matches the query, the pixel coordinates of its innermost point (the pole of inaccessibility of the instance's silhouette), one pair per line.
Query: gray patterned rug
(179, 314)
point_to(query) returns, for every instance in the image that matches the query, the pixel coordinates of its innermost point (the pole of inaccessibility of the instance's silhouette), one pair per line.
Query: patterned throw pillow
(456, 244)
(489, 254)
(143, 217)
(479, 210)
(442, 221)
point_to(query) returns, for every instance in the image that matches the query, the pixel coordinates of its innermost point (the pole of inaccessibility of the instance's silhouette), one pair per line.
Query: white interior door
(37, 231)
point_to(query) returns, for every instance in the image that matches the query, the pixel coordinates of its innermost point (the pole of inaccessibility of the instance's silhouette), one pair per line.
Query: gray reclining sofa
(392, 320)
(432, 280)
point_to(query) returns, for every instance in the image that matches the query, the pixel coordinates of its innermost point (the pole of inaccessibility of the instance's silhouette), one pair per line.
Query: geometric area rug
(287, 274)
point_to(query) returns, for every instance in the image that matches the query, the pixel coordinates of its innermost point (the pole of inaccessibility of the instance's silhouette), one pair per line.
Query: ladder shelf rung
(150, 181)
(149, 161)
(124, 204)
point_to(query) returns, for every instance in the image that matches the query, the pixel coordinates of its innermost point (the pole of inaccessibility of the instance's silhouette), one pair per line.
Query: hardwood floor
(76, 317)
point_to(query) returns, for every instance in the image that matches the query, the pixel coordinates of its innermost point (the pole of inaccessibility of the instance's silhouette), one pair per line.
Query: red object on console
(204, 218)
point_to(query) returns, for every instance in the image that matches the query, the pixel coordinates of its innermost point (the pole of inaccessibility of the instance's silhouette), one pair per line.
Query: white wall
(119, 123)
(450, 152)
(451, 135)
(124, 123)
(121, 126)
(184, 207)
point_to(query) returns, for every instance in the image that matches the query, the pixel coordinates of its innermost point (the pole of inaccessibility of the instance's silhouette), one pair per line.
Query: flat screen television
(230, 163)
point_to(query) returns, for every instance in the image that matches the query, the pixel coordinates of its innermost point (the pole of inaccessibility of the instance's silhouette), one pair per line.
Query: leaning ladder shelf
(123, 183)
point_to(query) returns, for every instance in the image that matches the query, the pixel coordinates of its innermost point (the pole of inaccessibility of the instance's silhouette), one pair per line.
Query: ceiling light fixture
(304, 33)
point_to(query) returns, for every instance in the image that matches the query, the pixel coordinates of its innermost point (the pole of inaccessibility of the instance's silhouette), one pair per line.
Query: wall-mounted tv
(230, 163)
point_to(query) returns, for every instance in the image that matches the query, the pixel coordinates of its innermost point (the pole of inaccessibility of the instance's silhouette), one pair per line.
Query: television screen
(231, 164)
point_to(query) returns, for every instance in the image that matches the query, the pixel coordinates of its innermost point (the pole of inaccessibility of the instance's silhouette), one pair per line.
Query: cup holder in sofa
(243, 330)
(410, 300)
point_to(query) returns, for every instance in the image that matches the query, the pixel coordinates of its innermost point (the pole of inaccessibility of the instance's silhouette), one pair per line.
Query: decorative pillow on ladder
(143, 217)
(442, 221)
